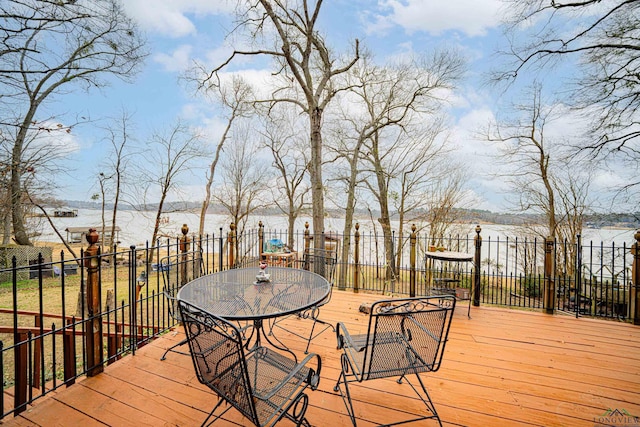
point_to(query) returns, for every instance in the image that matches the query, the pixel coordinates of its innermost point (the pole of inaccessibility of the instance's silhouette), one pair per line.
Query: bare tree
(235, 98)
(48, 47)
(546, 181)
(244, 177)
(528, 155)
(282, 138)
(573, 184)
(395, 99)
(393, 160)
(306, 67)
(602, 39)
(169, 156)
(119, 138)
(346, 139)
(444, 198)
(41, 150)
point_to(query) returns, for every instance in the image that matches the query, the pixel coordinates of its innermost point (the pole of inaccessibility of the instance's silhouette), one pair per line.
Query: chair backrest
(178, 269)
(407, 336)
(321, 261)
(216, 349)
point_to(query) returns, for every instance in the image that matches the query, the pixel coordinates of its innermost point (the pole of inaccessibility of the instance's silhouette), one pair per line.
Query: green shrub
(531, 286)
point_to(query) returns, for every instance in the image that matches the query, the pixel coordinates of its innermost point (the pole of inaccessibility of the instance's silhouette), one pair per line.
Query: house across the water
(78, 234)
(66, 213)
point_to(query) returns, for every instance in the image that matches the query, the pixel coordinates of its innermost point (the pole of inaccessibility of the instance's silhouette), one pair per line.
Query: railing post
(307, 237)
(220, 251)
(94, 319)
(578, 289)
(634, 295)
(412, 262)
(476, 271)
(184, 248)
(549, 282)
(356, 259)
(261, 240)
(231, 241)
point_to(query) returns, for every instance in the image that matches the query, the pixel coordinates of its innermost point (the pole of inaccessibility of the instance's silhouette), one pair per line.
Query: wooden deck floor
(501, 368)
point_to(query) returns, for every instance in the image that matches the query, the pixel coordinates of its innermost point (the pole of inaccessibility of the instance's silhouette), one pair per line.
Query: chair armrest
(344, 337)
(313, 377)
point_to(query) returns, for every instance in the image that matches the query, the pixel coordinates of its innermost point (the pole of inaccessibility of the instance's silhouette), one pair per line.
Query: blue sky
(180, 31)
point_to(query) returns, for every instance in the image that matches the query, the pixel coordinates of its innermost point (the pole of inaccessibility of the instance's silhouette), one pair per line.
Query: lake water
(137, 227)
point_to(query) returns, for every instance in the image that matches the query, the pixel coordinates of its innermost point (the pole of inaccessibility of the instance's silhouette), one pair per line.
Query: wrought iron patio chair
(322, 262)
(178, 269)
(262, 384)
(405, 336)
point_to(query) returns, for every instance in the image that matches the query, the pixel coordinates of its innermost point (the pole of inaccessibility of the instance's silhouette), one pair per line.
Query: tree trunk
(156, 227)
(348, 214)
(315, 174)
(346, 242)
(291, 225)
(6, 237)
(385, 223)
(544, 173)
(398, 251)
(17, 209)
(212, 171)
(205, 205)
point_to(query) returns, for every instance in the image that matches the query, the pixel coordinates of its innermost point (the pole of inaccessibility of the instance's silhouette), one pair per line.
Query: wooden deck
(501, 368)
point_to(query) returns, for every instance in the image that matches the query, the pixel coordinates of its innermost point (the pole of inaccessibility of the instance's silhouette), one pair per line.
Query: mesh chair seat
(263, 385)
(405, 336)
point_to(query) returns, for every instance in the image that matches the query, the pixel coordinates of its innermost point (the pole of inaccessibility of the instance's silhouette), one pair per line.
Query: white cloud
(169, 17)
(472, 17)
(261, 80)
(177, 61)
(55, 138)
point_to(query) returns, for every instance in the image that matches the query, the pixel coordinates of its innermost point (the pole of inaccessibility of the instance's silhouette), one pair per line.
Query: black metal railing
(591, 278)
(48, 318)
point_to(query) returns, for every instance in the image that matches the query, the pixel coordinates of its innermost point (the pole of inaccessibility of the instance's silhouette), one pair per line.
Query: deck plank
(501, 367)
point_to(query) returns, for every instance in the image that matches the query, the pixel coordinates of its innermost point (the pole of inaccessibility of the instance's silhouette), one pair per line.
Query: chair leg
(220, 401)
(311, 336)
(311, 315)
(172, 348)
(346, 395)
(297, 410)
(426, 399)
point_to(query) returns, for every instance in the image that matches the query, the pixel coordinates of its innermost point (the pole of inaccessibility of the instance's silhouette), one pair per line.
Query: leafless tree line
(331, 128)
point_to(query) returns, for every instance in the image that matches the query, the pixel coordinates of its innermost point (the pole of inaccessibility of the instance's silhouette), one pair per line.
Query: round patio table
(449, 256)
(453, 257)
(237, 295)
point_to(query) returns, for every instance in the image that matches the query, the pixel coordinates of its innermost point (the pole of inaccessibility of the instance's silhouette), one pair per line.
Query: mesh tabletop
(235, 294)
